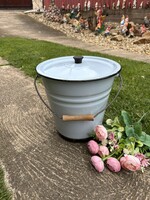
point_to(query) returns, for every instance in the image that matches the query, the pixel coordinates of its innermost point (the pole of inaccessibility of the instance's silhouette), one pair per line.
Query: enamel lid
(78, 68)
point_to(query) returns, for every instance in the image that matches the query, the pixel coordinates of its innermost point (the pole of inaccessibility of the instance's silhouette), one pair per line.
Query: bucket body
(75, 98)
(78, 86)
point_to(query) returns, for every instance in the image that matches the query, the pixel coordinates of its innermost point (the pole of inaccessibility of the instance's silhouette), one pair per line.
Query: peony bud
(97, 163)
(93, 147)
(113, 164)
(130, 162)
(101, 132)
(111, 136)
(103, 151)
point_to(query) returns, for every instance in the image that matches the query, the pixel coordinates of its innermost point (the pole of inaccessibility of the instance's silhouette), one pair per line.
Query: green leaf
(119, 135)
(139, 143)
(126, 118)
(116, 122)
(136, 150)
(138, 128)
(126, 151)
(109, 122)
(129, 131)
(132, 139)
(147, 154)
(121, 129)
(145, 139)
(114, 129)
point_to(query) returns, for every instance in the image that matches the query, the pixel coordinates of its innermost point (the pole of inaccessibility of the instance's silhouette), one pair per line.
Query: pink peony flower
(93, 147)
(113, 164)
(130, 163)
(97, 163)
(103, 151)
(145, 162)
(101, 132)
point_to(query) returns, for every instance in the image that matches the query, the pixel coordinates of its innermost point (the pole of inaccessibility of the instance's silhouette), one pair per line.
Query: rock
(146, 34)
(143, 40)
(132, 23)
(114, 32)
(118, 38)
(137, 32)
(74, 22)
(113, 42)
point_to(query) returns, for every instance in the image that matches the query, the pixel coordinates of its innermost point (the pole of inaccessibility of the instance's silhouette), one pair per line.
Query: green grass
(134, 97)
(4, 193)
(135, 94)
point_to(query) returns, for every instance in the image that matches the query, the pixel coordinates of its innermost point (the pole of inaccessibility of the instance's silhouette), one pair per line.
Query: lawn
(134, 97)
(4, 193)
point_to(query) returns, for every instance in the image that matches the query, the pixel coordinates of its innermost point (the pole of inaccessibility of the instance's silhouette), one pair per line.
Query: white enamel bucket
(78, 89)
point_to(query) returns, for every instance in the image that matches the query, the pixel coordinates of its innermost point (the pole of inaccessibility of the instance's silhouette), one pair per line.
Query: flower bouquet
(120, 144)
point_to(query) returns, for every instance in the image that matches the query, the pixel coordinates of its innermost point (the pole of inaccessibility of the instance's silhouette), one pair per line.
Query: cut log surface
(42, 165)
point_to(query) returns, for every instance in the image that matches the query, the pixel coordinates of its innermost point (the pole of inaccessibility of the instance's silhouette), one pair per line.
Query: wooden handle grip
(88, 117)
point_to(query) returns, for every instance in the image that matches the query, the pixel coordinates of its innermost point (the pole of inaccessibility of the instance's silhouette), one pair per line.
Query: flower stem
(120, 156)
(143, 117)
(105, 158)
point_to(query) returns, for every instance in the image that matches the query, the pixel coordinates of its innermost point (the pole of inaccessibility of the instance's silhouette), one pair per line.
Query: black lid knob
(78, 59)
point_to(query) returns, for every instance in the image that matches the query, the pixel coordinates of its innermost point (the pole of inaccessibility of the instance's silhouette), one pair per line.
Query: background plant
(120, 143)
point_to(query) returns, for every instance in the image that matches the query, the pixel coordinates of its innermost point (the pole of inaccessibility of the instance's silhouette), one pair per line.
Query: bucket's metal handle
(88, 117)
(36, 88)
(109, 104)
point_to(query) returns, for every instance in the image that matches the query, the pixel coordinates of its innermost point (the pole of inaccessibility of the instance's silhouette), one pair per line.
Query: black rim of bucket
(106, 77)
